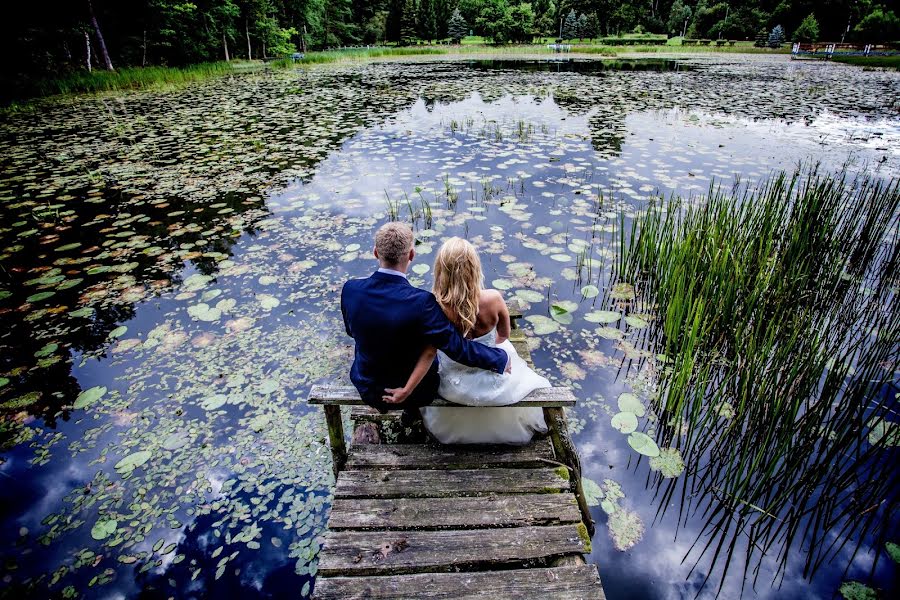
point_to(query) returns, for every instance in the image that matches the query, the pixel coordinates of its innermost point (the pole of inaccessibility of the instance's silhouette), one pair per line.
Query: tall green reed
(778, 307)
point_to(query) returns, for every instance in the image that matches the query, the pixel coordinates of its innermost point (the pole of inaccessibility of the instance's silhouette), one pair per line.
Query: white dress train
(478, 390)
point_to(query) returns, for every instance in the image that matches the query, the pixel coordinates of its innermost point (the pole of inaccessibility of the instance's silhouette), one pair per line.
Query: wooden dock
(412, 518)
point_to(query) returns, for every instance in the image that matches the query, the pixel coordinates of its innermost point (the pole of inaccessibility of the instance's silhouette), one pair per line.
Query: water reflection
(243, 205)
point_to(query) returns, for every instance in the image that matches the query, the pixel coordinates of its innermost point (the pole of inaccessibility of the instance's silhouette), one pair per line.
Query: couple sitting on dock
(413, 345)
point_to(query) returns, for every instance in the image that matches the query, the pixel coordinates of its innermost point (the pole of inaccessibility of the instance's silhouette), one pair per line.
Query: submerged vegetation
(778, 309)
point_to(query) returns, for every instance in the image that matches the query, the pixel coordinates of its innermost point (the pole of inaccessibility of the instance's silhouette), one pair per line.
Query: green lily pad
(39, 296)
(89, 396)
(3, 381)
(590, 291)
(625, 528)
(542, 325)
(502, 284)
(669, 463)
(622, 291)
(893, 551)
(104, 528)
(628, 402)
(176, 440)
(46, 350)
(132, 461)
(529, 295)
(888, 431)
(213, 402)
(610, 333)
(85, 312)
(204, 312)
(592, 492)
(117, 332)
(854, 590)
(643, 444)
(267, 302)
(267, 279)
(420, 268)
(267, 386)
(602, 316)
(635, 322)
(624, 422)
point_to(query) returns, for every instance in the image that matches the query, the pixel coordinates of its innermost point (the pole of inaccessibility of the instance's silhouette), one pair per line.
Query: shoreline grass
(876, 62)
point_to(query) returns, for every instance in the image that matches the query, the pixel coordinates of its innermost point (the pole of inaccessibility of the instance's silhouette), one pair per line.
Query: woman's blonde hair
(457, 282)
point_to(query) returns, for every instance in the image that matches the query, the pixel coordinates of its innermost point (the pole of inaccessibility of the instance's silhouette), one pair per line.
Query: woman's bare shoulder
(492, 300)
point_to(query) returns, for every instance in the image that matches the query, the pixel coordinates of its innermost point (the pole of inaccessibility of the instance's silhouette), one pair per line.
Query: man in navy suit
(392, 322)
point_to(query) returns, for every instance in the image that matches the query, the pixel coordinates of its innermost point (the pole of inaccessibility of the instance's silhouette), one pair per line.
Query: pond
(170, 264)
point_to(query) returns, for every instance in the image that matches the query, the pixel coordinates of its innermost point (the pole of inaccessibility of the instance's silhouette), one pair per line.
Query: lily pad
(610, 333)
(643, 444)
(529, 295)
(104, 528)
(602, 316)
(624, 422)
(622, 291)
(854, 590)
(267, 301)
(132, 461)
(628, 402)
(590, 291)
(176, 440)
(502, 284)
(213, 402)
(893, 551)
(669, 463)
(39, 296)
(89, 396)
(542, 325)
(420, 268)
(625, 529)
(117, 332)
(592, 492)
(635, 322)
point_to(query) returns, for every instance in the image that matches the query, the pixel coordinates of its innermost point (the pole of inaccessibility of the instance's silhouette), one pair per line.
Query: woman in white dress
(480, 315)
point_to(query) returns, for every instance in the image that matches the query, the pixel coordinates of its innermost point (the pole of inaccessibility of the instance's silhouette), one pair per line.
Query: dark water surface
(168, 293)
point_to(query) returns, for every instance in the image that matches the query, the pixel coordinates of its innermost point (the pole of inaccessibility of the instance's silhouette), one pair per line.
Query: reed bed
(777, 311)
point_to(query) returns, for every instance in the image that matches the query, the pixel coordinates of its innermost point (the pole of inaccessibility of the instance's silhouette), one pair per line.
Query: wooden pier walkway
(412, 518)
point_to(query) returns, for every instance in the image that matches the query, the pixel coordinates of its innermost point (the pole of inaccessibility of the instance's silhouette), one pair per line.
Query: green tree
(762, 38)
(520, 23)
(408, 29)
(776, 37)
(570, 26)
(808, 31)
(679, 17)
(592, 28)
(457, 28)
(426, 19)
(880, 25)
(582, 26)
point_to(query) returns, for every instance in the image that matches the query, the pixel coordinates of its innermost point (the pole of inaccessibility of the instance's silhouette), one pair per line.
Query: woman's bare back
(491, 313)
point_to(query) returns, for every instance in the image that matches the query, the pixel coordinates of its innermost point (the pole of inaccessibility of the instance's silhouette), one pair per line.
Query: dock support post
(566, 454)
(336, 437)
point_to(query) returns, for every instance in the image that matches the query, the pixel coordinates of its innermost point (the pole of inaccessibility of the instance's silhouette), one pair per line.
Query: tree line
(57, 35)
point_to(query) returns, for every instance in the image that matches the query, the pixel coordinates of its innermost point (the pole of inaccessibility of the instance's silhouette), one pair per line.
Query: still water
(171, 263)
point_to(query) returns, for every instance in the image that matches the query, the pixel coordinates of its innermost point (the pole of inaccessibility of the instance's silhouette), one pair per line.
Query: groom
(392, 322)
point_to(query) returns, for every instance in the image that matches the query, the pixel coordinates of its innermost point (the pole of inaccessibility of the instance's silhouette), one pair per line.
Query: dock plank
(346, 395)
(514, 510)
(423, 456)
(559, 583)
(436, 483)
(360, 553)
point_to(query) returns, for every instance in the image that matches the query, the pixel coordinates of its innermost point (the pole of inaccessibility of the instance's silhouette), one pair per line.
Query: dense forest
(51, 37)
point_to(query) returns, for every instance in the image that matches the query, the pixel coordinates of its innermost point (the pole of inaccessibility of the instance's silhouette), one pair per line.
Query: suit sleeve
(441, 333)
(344, 313)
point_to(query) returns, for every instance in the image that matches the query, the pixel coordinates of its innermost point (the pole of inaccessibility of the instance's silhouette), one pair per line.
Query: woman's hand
(395, 395)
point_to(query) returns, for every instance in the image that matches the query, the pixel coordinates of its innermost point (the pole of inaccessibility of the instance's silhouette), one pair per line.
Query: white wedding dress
(479, 390)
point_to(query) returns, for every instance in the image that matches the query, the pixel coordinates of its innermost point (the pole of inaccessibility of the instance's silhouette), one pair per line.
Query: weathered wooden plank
(348, 396)
(560, 583)
(437, 483)
(336, 438)
(510, 510)
(422, 456)
(409, 551)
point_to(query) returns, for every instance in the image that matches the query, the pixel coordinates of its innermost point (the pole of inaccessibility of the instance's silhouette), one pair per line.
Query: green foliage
(762, 39)
(457, 28)
(776, 37)
(570, 26)
(808, 30)
(880, 25)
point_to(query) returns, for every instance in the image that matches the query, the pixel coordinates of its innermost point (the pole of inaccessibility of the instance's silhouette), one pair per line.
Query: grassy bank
(881, 62)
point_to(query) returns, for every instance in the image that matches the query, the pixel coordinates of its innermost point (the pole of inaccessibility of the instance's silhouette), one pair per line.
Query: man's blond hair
(393, 242)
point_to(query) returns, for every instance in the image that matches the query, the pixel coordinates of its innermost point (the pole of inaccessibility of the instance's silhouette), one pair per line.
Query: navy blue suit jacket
(392, 322)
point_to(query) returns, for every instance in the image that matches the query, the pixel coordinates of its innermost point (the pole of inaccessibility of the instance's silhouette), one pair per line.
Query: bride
(480, 315)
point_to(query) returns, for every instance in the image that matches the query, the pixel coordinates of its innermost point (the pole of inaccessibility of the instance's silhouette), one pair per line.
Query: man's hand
(395, 395)
(508, 368)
